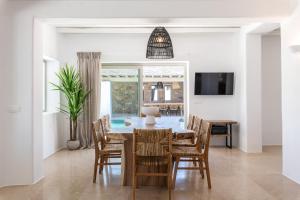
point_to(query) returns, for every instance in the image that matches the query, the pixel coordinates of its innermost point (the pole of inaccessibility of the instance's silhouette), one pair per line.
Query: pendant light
(160, 85)
(159, 45)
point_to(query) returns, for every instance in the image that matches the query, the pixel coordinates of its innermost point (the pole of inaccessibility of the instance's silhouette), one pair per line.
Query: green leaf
(70, 85)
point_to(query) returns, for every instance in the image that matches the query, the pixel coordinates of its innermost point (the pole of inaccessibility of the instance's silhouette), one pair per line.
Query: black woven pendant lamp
(159, 45)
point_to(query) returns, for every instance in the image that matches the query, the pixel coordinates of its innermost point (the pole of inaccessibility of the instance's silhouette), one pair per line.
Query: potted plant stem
(71, 87)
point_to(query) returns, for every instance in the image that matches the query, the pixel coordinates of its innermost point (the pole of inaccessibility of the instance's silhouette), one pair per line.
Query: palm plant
(71, 86)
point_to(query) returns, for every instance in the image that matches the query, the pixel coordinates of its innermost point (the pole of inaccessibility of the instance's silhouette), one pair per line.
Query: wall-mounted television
(214, 83)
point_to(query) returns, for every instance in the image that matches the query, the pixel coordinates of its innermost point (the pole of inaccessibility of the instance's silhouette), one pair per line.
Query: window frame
(170, 88)
(154, 93)
(45, 88)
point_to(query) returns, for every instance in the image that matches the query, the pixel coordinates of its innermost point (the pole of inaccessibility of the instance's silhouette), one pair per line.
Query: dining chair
(188, 137)
(103, 150)
(163, 109)
(197, 153)
(190, 122)
(149, 151)
(107, 128)
(107, 123)
(174, 109)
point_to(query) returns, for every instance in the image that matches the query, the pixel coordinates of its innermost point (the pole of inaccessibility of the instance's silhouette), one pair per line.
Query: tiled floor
(235, 176)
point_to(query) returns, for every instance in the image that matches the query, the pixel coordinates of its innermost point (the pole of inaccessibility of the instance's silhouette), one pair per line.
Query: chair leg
(95, 169)
(207, 172)
(193, 142)
(133, 190)
(133, 179)
(201, 167)
(101, 164)
(106, 161)
(175, 171)
(170, 177)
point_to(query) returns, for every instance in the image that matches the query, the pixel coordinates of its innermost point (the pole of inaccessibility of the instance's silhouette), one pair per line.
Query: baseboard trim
(57, 150)
(292, 179)
(34, 182)
(23, 184)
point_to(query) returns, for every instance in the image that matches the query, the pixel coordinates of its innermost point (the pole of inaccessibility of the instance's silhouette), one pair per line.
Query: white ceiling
(148, 22)
(146, 25)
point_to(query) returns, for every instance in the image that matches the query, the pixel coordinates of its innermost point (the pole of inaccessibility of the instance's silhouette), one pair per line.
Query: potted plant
(71, 87)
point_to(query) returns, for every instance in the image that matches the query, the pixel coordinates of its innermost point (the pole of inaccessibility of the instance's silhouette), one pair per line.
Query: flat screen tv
(214, 83)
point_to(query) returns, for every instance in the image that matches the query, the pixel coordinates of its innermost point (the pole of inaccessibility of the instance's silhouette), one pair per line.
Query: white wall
(53, 138)
(250, 102)
(253, 93)
(19, 62)
(271, 90)
(206, 52)
(291, 97)
(4, 53)
(50, 41)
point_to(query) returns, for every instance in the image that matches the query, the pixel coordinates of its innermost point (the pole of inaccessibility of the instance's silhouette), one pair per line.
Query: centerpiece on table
(151, 113)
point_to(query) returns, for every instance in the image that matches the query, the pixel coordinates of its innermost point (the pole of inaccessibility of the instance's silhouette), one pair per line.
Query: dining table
(125, 133)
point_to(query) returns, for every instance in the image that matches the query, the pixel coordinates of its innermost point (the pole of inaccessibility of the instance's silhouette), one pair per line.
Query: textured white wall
(250, 102)
(52, 124)
(291, 97)
(271, 90)
(253, 93)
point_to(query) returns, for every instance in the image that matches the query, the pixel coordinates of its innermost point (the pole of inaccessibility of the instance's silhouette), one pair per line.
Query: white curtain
(89, 68)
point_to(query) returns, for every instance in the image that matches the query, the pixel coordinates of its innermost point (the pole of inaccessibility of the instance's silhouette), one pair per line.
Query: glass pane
(163, 87)
(120, 92)
(167, 93)
(105, 103)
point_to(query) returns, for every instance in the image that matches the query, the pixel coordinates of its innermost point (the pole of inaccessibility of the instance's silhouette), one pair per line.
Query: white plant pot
(73, 144)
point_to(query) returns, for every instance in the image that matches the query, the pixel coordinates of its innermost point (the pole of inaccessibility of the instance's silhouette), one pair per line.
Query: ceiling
(146, 25)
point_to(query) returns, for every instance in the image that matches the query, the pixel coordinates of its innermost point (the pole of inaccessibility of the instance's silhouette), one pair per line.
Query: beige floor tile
(235, 176)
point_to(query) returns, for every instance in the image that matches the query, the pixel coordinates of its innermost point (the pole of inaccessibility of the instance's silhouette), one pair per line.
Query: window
(168, 92)
(44, 86)
(154, 95)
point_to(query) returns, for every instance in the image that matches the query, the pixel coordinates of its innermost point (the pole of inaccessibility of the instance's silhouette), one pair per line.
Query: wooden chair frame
(190, 126)
(168, 156)
(201, 159)
(107, 126)
(102, 155)
(190, 122)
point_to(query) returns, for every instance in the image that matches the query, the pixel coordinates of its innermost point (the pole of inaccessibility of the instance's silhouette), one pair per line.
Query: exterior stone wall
(176, 94)
(124, 97)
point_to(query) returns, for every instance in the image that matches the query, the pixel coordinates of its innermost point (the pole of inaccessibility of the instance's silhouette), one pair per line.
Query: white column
(250, 116)
(291, 96)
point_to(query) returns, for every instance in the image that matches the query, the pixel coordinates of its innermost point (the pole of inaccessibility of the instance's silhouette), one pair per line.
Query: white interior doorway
(271, 89)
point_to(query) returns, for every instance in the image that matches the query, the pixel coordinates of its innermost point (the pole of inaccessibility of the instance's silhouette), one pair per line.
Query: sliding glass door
(127, 87)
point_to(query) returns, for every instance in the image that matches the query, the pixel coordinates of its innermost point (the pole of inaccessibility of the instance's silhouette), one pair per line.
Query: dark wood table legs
(229, 136)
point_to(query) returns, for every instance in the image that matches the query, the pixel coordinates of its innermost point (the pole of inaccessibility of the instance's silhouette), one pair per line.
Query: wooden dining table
(126, 133)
